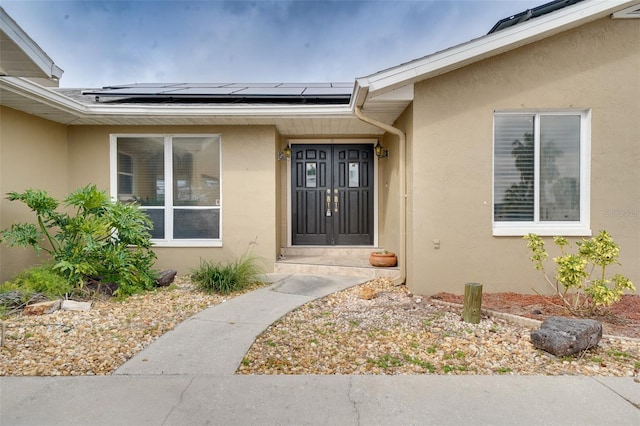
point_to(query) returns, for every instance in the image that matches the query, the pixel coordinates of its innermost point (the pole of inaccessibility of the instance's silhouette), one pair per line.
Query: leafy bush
(225, 279)
(102, 240)
(581, 294)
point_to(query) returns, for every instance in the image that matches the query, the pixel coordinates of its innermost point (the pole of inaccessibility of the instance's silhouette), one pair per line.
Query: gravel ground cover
(376, 328)
(98, 341)
(379, 328)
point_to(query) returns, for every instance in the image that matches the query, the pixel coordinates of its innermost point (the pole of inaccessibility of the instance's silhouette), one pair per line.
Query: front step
(345, 261)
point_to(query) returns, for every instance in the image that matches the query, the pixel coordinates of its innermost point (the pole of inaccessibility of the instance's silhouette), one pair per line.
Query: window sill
(541, 230)
(186, 243)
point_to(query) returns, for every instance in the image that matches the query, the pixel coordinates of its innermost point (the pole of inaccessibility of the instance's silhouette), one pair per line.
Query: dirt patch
(621, 319)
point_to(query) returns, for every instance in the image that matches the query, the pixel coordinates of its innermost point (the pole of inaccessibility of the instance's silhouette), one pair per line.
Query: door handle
(335, 204)
(328, 204)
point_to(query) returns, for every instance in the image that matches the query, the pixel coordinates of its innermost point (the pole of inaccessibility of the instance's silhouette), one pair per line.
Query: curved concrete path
(187, 377)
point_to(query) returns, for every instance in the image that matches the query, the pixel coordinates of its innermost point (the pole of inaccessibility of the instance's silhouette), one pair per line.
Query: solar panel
(233, 91)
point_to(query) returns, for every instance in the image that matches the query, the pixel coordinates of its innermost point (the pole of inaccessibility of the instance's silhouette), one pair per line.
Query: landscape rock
(42, 308)
(562, 336)
(367, 293)
(166, 278)
(72, 305)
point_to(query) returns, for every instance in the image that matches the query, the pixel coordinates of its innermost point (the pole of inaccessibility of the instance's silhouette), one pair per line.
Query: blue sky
(100, 43)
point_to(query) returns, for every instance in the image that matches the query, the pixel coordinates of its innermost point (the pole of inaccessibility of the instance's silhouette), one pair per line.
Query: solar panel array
(226, 90)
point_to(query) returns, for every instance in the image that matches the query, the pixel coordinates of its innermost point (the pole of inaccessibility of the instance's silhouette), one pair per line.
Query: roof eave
(79, 111)
(32, 52)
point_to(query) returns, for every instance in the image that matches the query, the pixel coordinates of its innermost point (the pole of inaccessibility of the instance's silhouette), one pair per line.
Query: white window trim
(113, 185)
(549, 228)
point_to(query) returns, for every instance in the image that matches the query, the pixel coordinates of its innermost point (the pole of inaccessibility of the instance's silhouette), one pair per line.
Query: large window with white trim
(541, 173)
(176, 180)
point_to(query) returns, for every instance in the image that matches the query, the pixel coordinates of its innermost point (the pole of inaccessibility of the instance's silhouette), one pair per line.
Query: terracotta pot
(384, 260)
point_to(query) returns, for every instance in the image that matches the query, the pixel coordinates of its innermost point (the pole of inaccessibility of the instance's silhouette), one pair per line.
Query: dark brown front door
(332, 194)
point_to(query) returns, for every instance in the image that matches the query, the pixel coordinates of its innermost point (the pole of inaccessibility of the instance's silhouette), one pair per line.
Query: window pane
(196, 171)
(311, 181)
(157, 217)
(514, 166)
(559, 168)
(200, 224)
(140, 168)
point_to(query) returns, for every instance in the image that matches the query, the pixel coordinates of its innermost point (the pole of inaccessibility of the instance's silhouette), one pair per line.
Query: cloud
(104, 43)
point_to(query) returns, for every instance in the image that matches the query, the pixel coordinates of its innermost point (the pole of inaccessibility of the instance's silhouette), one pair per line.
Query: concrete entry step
(345, 261)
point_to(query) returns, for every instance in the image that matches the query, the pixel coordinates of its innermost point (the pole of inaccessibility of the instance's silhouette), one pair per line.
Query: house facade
(531, 128)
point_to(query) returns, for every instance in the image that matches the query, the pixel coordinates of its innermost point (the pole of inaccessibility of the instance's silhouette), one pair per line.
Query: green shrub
(42, 279)
(226, 278)
(101, 240)
(32, 285)
(581, 294)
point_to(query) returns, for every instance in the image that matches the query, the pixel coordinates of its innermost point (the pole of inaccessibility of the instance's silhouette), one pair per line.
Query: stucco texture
(40, 154)
(33, 154)
(596, 67)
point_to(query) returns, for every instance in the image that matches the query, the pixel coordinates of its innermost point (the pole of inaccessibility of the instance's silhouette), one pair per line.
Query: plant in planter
(383, 259)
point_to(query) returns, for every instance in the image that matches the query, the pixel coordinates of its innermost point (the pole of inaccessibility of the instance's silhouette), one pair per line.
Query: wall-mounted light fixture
(285, 153)
(381, 151)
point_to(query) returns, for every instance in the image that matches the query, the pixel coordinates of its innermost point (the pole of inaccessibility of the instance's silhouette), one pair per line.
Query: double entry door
(332, 194)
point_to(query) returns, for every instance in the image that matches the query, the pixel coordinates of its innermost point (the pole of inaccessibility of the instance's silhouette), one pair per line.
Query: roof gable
(20, 56)
(492, 44)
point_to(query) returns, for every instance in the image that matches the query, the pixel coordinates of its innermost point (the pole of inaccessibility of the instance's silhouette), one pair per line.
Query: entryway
(332, 210)
(332, 194)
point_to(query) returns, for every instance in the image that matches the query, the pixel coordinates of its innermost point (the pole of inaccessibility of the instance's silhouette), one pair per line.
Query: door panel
(353, 179)
(332, 194)
(311, 177)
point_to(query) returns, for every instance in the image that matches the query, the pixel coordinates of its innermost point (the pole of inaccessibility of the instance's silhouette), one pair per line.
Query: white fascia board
(226, 111)
(30, 90)
(360, 92)
(43, 95)
(31, 49)
(491, 44)
(632, 12)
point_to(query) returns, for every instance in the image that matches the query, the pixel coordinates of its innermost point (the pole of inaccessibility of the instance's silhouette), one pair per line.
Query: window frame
(168, 206)
(580, 227)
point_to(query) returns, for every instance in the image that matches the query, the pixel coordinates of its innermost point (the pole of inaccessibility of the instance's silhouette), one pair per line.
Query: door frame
(353, 141)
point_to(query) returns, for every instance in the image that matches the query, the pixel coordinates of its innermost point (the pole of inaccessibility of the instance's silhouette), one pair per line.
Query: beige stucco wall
(390, 197)
(248, 187)
(594, 67)
(33, 154)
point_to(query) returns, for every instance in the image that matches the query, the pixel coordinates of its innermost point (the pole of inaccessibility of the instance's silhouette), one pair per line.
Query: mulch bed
(621, 319)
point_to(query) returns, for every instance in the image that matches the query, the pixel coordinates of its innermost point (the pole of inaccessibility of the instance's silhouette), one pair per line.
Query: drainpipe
(402, 258)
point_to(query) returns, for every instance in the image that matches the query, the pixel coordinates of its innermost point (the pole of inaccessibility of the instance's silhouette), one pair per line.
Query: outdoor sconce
(381, 151)
(285, 153)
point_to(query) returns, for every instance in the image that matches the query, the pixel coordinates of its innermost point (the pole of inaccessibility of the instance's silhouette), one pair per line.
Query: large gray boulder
(566, 336)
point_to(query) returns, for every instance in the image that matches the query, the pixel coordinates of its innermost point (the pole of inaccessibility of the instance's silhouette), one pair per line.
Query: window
(541, 173)
(176, 180)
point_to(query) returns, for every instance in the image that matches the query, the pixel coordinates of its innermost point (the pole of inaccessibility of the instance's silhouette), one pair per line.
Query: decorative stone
(367, 293)
(562, 336)
(42, 308)
(166, 278)
(72, 305)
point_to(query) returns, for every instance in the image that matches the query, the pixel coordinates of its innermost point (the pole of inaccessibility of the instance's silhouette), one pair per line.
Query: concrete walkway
(187, 377)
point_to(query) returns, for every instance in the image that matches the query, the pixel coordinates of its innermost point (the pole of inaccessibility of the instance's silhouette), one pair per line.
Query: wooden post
(472, 303)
